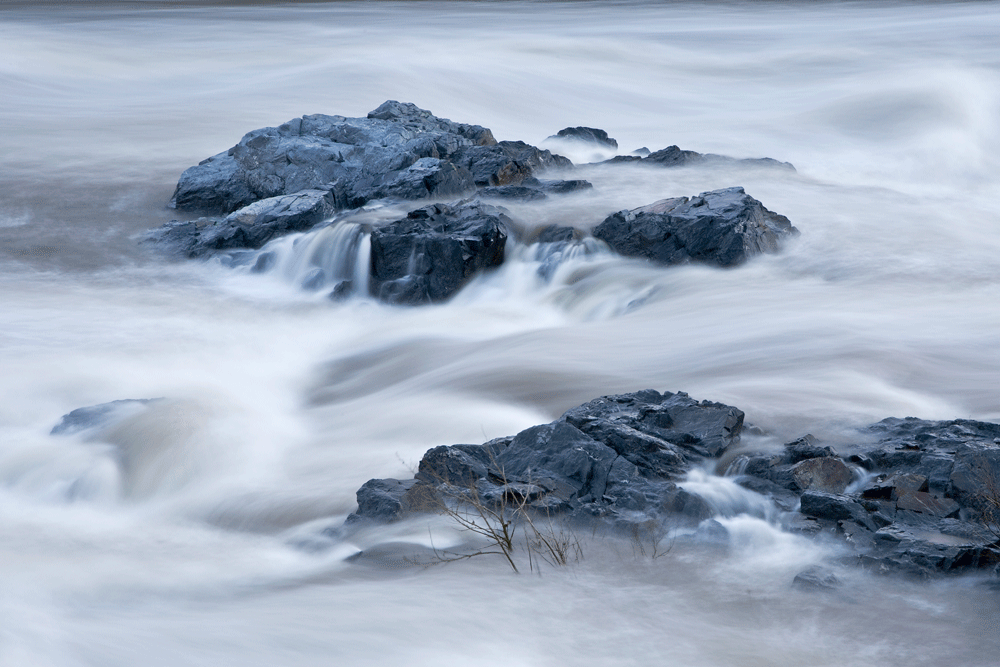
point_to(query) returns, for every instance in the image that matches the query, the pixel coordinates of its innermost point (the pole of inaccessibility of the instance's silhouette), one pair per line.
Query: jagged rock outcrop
(397, 150)
(616, 459)
(432, 252)
(912, 497)
(722, 227)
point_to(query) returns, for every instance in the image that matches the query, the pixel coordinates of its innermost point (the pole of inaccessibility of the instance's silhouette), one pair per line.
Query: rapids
(191, 532)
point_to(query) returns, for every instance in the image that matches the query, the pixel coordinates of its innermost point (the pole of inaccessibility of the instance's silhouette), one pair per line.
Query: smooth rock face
(435, 250)
(615, 459)
(722, 227)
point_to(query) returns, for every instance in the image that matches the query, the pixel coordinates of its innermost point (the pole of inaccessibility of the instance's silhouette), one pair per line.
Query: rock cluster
(290, 178)
(722, 227)
(616, 459)
(923, 499)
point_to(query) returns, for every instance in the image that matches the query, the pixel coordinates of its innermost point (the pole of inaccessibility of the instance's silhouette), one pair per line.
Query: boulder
(432, 252)
(589, 135)
(506, 162)
(616, 460)
(94, 417)
(722, 227)
(673, 156)
(398, 150)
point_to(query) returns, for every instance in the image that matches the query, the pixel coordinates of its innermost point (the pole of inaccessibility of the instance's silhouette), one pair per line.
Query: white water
(174, 539)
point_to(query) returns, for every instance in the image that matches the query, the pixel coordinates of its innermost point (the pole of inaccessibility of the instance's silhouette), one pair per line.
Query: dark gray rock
(398, 150)
(429, 255)
(835, 507)
(723, 227)
(816, 578)
(558, 234)
(519, 192)
(827, 474)
(99, 416)
(250, 227)
(506, 162)
(617, 463)
(587, 135)
(557, 187)
(673, 156)
(615, 459)
(382, 500)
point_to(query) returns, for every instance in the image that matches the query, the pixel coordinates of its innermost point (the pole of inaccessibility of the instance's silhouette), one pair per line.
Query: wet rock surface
(910, 497)
(303, 174)
(616, 460)
(674, 156)
(722, 227)
(430, 254)
(588, 135)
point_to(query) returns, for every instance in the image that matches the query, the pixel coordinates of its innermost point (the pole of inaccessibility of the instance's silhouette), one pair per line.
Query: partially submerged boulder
(588, 135)
(621, 462)
(722, 227)
(250, 227)
(617, 459)
(432, 252)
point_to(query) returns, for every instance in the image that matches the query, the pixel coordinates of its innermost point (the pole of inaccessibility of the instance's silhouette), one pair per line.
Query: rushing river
(192, 534)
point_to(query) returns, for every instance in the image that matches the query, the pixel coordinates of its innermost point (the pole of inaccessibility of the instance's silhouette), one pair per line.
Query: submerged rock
(98, 416)
(722, 227)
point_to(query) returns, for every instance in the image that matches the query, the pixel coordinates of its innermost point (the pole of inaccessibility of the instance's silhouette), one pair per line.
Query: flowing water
(191, 531)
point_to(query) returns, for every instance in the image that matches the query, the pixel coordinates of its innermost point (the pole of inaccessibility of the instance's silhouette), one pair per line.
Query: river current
(192, 533)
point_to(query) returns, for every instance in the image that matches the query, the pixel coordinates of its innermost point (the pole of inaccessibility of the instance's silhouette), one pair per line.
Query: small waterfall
(727, 498)
(335, 256)
(551, 256)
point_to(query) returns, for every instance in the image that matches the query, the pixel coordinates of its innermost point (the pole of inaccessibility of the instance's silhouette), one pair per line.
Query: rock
(673, 156)
(558, 234)
(430, 254)
(723, 227)
(520, 192)
(250, 227)
(815, 578)
(99, 416)
(615, 460)
(398, 150)
(506, 162)
(556, 187)
(827, 474)
(835, 507)
(382, 500)
(587, 135)
(533, 189)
